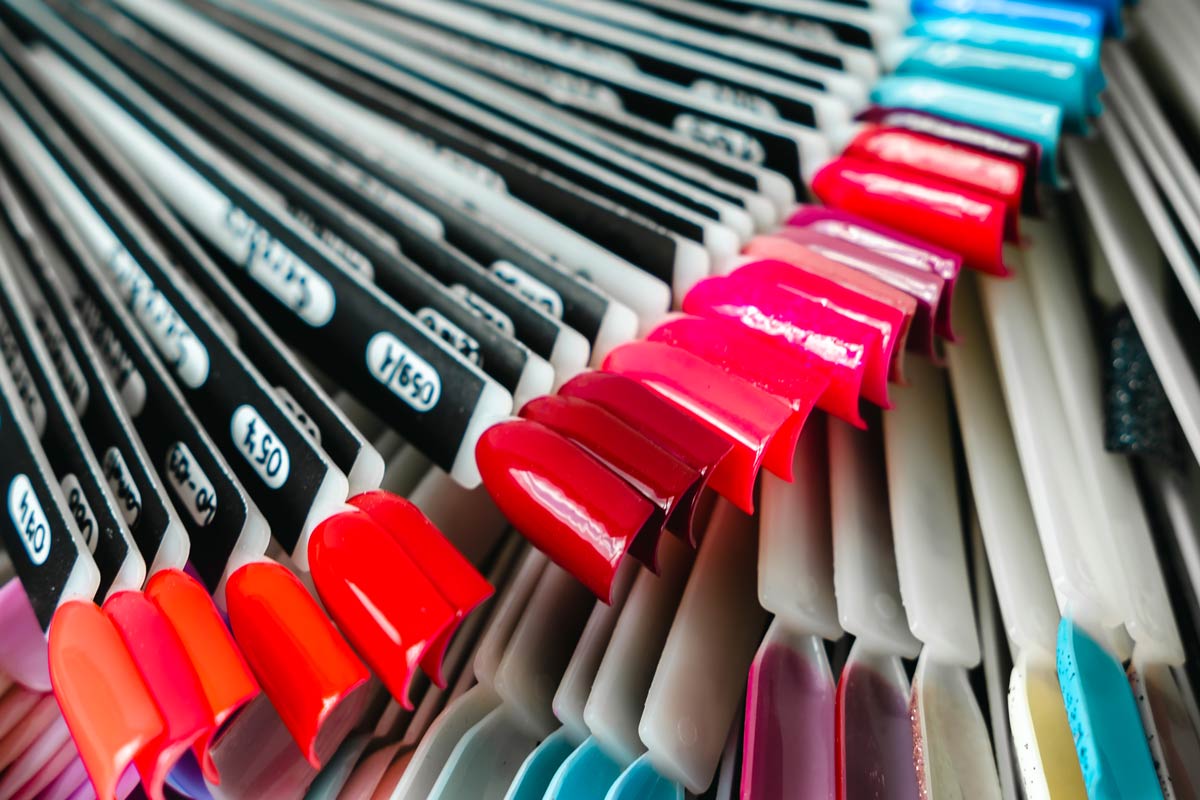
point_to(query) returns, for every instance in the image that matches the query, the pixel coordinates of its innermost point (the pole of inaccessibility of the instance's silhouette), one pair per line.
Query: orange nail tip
(225, 678)
(388, 608)
(101, 693)
(171, 679)
(300, 660)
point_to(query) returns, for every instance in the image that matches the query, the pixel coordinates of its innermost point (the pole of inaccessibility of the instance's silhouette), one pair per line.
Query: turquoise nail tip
(641, 781)
(535, 775)
(587, 774)
(1017, 116)
(1105, 724)
(1063, 17)
(1061, 83)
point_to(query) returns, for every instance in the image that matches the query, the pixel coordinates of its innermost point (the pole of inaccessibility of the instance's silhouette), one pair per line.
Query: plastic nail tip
(24, 657)
(995, 177)
(750, 419)
(56, 763)
(952, 746)
(300, 660)
(800, 323)
(1138, 419)
(39, 719)
(587, 774)
(873, 734)
(719, 623)
(795, 541)
(368, 772)
(15, 705)
(6, 683)
(891, 323)
(1017, 116)
(455, 577)
(640, 781)
(533, 778)
(660, 477)
(570, 700)
(126, 787)
(565, 501)
(797, 380)
(817, 252)
(64, 784)
(541, 648)
(225, 677)
(673, 428)
(788, 735)
(257, 756)
(100, 691)
(1105, 724)
(725, 787)
(467, 518)
(386, 789)
(187, 778)
(1041, 734)
(1174, 744)
(425, 764)
(614, 707)
(485, 760)
(509, 609)
(985, 140)
(336, 772)
(864, 560)
(927, 523)
(386, 605)
(35, 755)
(171, 679)
(961, 220)
(1062, 16)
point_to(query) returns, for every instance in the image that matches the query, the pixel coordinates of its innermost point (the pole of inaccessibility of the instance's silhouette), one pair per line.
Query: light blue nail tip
(1061, 17)
(1108, 733)
(587, 774)
(538, 770)
(641, 781)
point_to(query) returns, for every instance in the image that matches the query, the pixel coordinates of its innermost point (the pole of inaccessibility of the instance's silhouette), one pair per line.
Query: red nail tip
(889, 321)
(889, 243)
(678, 432)
(798, 379)
(387, 606)
(967, 222)
(455, 577)
(745, 415)
(225, 678)
(300, 660)
(999, 178)
(662, 478)
(812, 250)
(567, 503)
(101, 693)
(799, 324)
(171, 680)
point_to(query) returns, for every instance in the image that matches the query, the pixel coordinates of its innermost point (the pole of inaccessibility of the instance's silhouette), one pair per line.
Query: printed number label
(451, 334)
(190, 483)
(260, 446)
(530, 288)
(406, 374)
(27, 515)
(129, 499)
(81, 512)
(720, 137)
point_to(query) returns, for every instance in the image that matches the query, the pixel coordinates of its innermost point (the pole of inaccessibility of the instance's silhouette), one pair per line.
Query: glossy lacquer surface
(874, 733)
(568, 503)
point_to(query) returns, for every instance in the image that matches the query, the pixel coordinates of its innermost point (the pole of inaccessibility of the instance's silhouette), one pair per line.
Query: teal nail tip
(641, 781)
(587, 774)
(1104, 719)
(535, 775)
(1064, 17)
(1017, 116)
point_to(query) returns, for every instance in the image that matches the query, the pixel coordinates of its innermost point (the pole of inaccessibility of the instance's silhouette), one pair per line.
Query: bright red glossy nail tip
(566, 502)
(301, 661)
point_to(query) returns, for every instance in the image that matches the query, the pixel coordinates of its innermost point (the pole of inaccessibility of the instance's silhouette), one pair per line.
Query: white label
(451, 334)
(337, 244)
(30, 520)
(736, 98)
(129, 499)
(81, 512)
(116, 362)
(530, 288)
(176, 342)
(731, 141)
(303, 421)
(63, 359)
(406, 374)
(803, 30)
(191, 485)
(278, 270)
(483, 308)
(260, 446)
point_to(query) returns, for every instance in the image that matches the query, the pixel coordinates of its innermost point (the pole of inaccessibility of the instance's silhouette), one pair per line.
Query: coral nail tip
(569, 505)
(101, 694)
(302, 663)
